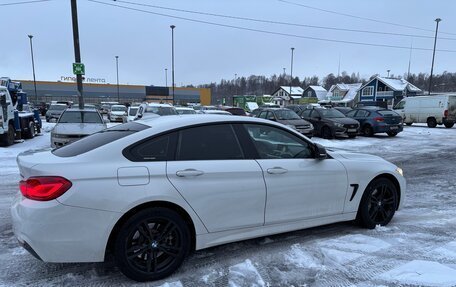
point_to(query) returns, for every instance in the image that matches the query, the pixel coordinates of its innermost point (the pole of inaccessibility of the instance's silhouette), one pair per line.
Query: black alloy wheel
(431, 122)
(326, 132)
(368, 131)
(152, 244)
(378, 204)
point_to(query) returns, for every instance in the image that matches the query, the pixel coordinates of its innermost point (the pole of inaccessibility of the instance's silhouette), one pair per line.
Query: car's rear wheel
(409, 124)
(378, 204)
(368, 130)
(392, 134)
(31, 130)
(152, 244)
(7, 139)
(431, 122)
(326, 133)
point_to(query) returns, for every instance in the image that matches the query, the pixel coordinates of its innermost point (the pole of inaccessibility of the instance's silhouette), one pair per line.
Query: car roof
(80, 110)
(184, 108)
(157, 105)
(118, 106)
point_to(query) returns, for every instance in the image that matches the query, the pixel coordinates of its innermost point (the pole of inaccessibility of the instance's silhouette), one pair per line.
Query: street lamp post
(433, 53)
(388, 73)
(117, 71)
(291, 70)
(172, 57)
(166, 77)
(33, 68)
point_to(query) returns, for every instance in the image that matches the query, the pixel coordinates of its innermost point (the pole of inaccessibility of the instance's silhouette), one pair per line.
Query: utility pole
(117, 71)
(410, 61)
(284, 73)
(166, 77)
(291, 70)
(33, 69)
(338, 68)
(433, 53)
(77, 51)
(388, 73)
(172, 55)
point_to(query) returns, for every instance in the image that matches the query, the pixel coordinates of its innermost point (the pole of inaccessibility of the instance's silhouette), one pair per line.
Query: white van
(433, 110)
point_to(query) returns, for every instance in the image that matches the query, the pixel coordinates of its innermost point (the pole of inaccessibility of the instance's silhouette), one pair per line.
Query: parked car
(90, 106)
(43, 107)
(288, 118)
(155, 110)
(343, 110)
(256, 112)
(185, 111)
(55, 111)
(117, 113)
(215, 112)
(375, 120)
(151, 191)
(131, 114)
(235, 111)
(200, 109)
(433, 110)
(75, 124)
(330, 123)
(104, 109)
(296, 108)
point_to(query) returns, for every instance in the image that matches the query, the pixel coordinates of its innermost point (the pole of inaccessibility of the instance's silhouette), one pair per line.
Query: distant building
(343, 94)
(286, 95)
(315, 92)
(390, 90)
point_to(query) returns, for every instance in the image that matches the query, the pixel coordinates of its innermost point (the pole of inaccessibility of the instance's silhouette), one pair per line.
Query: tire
(431, 122)
(31, 131)
(326, 133)
(352, 136)
(378, 204)
(368, 131)
(162, 241)
(48, 120)
(408, 124)
(8, 138)
(392, 134)
(449, 125)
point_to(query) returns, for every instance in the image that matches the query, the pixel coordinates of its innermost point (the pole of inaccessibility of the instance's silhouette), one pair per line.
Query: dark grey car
(55, 111)
(288, 118)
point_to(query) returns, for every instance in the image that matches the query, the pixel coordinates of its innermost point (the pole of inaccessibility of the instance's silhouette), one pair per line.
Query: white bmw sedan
(151, 191)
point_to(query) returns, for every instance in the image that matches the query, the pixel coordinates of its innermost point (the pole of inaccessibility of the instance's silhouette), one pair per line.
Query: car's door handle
(277, 170)
(189, 172)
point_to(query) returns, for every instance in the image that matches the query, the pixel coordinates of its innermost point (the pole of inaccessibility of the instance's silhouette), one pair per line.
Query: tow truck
(18, 120)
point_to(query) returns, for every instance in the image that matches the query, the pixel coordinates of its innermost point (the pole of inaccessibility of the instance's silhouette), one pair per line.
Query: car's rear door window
(160, 148)
(211, 142)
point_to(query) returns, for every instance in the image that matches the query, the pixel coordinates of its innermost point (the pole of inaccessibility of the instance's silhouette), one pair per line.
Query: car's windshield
(132, 111)
(161, 111)
(80, 117)
(58, 107)
(286, 115)
(331, 113)
(118, 109)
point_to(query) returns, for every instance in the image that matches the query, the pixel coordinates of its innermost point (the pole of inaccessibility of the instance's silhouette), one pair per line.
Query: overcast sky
(205, 53)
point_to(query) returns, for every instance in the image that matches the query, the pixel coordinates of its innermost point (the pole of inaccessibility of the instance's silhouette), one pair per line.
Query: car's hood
(339, 154)
(297, 122)
(345, 121)
(79, 129)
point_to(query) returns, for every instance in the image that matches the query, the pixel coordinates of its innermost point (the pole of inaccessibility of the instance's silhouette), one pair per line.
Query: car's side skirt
(218, 238)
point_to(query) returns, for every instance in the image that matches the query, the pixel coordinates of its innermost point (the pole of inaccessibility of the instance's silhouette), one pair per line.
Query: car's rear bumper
(388, 128)
(54, 232)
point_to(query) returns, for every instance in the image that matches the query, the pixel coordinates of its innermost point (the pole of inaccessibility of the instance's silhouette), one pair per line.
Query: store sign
(84, 79)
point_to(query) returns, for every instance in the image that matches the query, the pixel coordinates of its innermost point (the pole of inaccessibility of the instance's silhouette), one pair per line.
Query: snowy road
(418, 248)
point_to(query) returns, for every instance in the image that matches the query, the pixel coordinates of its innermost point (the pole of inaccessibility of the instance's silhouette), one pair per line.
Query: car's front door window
(274, 143)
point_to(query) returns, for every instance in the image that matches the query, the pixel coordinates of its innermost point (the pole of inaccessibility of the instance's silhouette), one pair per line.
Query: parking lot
(417, 248)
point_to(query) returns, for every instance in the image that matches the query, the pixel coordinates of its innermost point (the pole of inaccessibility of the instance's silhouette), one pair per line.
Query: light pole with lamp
(291, 70)
(33, 69)
(117, 71)
(433, 53)
(172, 56)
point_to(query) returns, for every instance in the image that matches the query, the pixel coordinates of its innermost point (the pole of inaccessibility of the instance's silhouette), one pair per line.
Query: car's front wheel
(391, 134)
(378, 204)
(152, 244)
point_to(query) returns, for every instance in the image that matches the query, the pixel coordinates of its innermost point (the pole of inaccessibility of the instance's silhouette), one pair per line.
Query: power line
(362, 18)
(23, 2)
(279, 22)
(266, 31)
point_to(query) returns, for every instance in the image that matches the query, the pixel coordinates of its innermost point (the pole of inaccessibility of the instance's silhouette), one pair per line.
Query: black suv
(329, 123)
(288, 118)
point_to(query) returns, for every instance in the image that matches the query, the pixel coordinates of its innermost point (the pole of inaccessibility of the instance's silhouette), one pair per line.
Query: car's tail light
(44, 188)
(379, 119)
(445, 113)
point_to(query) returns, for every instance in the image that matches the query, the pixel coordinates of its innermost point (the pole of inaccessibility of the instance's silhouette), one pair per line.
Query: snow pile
(299, 257)
(356, 242)
(422, 273)
(245, 274)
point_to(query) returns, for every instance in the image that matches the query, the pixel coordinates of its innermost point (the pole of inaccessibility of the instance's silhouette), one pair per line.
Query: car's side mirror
(320, 152)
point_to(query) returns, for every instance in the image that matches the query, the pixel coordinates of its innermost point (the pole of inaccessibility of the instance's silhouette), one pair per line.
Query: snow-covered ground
(418, 248)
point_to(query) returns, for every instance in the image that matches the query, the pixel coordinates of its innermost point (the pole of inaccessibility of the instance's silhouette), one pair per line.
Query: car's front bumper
(54, 232)
(307, 132)
(113, 118)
